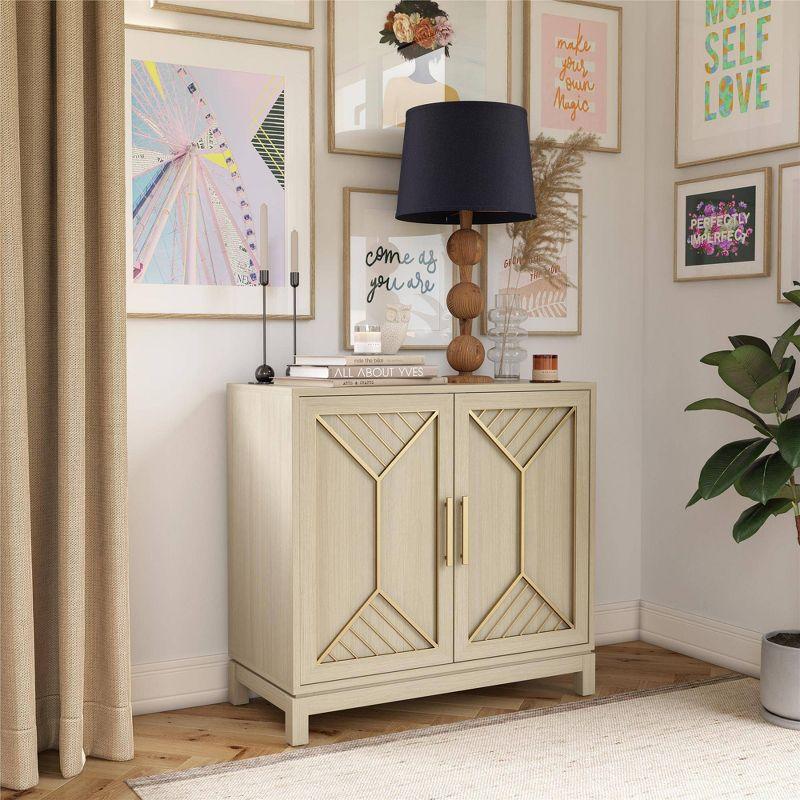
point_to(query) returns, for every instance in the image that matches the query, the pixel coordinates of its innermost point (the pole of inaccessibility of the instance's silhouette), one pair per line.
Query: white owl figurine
(394, 329)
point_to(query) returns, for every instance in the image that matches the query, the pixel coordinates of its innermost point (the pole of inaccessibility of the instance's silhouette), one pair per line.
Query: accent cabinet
(389, 544)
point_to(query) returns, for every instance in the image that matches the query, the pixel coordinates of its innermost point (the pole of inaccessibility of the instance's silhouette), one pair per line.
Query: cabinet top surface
(444, 388)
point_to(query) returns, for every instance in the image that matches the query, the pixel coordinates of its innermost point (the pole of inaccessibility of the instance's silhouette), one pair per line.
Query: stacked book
(360, 370)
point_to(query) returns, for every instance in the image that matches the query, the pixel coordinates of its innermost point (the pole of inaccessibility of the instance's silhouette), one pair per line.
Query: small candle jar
(545, 368)
(366, 338)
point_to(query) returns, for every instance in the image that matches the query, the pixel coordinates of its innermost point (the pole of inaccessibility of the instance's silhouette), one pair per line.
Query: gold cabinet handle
(465, 530)
(448, 557)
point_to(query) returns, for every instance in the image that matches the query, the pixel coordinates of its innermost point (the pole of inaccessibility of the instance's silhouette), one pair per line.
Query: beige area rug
(704, 740)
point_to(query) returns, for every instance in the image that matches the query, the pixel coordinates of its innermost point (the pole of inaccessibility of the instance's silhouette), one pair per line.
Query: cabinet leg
(238, 693)
(584, 680)
(296, 725)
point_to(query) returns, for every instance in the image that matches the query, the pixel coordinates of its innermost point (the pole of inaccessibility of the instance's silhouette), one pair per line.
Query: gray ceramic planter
(780, 682)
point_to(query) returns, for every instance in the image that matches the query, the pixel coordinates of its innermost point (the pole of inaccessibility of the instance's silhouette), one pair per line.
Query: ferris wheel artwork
(193, 221)
(209, 177)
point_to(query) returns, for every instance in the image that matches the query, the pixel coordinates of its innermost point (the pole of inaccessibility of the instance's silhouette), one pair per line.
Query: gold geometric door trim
(528, 610)
(379, 626)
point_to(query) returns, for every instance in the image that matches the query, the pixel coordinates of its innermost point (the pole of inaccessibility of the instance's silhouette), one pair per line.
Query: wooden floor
(194, 737)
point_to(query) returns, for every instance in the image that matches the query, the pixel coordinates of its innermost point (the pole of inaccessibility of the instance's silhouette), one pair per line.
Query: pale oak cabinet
(389, 544)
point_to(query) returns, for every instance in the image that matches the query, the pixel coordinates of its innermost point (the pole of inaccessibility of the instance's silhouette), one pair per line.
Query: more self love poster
(738, 85)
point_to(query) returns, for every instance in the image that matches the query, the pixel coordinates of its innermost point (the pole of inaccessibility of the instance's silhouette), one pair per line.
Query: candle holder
(264, 372)
(366, 338)
(294, 281)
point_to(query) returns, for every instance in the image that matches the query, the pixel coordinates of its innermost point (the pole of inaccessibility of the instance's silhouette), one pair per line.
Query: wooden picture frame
(613, 85)
(719, 236)
(576, 251)
(732, 128)
(391, 137)
(788, 211)
(445, 268)
(207, 11)
(294, 71)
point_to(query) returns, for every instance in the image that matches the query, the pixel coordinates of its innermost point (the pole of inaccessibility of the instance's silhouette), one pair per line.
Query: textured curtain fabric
(65, 676)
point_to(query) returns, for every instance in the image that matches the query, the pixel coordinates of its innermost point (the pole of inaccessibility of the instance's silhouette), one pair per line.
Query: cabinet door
(376, 592)
(523, 467)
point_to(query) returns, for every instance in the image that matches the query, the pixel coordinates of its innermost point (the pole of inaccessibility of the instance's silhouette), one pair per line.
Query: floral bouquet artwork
(417, 27)
(720, 227)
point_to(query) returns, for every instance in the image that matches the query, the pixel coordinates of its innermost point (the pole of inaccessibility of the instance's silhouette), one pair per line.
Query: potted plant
(761, 468)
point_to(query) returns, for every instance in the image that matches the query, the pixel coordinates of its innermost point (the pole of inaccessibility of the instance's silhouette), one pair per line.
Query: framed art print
(788, 228)
(737, 87)
(389, 262)
(552, 297)
(293, 13)
(572, 70)
(722, 226)
(215, 186)
(386, 56)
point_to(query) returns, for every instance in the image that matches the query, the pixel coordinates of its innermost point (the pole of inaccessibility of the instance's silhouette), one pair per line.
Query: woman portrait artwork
(422, 34)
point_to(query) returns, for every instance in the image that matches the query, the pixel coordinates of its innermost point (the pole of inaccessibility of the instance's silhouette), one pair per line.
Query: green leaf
(715, 357)
(793, 296)
(747, 368)
(770, 396)
(753, 518)
(795, 340)
(791, 398)
(763, 480)
(786, 492)
(743, 339)
(718, 404)
(728, 464)
(787, 365)
(779, 350)
(788, 439)
(694, 498)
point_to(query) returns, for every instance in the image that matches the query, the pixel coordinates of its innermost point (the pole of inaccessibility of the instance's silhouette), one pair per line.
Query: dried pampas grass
(537, 245)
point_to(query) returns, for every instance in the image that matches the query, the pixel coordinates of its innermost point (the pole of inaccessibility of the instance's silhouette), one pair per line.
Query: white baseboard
(186, 682)
(616, 622)
(701, 637)
(169, 685)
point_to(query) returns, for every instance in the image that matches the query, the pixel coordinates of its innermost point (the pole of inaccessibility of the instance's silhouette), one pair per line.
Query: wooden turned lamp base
(469, 378)
(465, 353)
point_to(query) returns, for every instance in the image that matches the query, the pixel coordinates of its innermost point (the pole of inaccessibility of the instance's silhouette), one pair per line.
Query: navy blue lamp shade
(466, 156)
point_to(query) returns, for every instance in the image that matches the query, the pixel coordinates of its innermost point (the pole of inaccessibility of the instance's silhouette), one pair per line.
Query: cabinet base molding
(298, 709)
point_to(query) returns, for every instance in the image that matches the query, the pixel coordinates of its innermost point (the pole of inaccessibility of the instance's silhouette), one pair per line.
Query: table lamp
(466, 163)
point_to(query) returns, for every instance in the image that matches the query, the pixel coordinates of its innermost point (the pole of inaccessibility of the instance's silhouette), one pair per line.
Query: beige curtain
(65, 677)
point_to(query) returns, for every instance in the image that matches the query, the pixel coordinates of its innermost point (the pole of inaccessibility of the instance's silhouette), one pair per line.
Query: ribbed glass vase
(505, 320)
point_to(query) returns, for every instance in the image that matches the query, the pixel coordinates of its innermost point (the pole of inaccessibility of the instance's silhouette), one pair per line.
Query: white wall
(690, 561)
(177, 371)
